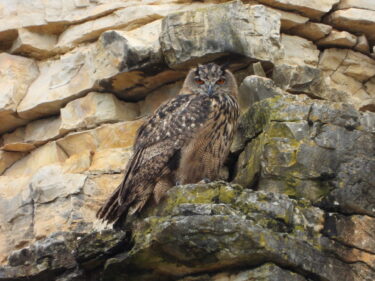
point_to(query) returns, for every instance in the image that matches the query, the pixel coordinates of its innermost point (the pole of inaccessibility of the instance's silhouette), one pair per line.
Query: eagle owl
(186, 140)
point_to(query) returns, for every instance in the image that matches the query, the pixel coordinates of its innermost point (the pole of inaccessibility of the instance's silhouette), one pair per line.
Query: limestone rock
(347, 62)
(8, 158)
(354, 20)
(130, 77)
(154, 99)
(338, 38)
(95, 109)
(307, 153)
(122, 136)
(16, 214)
(355, 231)
(33, 44)
(362, 45)
(111, 160)
(299, 51)
(290, 20)
(60, 81)
(78, 163)
(312, 30)
(312, 9)
(33, 134)
(360, 4)
(49, 153)
(127, 18)
(267, 272)
(192, 36)
(16, 75)
(254, 89)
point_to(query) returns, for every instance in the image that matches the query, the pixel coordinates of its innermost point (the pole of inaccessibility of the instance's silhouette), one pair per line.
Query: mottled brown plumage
(185, 141)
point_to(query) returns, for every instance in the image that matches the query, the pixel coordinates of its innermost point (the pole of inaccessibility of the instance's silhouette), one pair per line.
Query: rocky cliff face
(77, 79)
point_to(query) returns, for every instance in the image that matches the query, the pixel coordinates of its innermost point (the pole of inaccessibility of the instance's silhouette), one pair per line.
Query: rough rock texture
(79, 77)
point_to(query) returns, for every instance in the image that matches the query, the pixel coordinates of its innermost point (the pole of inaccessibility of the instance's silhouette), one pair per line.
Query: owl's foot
(205, 180)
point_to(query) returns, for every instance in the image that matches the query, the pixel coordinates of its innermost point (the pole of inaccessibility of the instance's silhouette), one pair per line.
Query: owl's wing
(156, 152)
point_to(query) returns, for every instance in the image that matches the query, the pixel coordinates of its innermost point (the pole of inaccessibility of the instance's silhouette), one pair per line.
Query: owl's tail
(113, 212)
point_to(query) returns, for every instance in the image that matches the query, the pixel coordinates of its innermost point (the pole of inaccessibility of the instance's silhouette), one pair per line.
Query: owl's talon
(205, 180)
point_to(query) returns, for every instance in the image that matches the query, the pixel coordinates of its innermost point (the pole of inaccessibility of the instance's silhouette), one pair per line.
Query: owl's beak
(210, 90)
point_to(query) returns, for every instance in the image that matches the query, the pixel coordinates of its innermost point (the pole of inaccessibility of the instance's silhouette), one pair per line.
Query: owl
(186, 140)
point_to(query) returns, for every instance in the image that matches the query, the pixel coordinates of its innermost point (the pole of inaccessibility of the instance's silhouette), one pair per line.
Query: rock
(127, 18)
(57, 201)
(362, 45)
(49, 153)
(360, 4)
(347, 62)
(122, 136)
(311, 30)
(191, 37)
(16, 214)
(111, 160)
(306, 149)
(312, 9)
(267, 272)
(78, 163)
(141, 68)
(354, 20)
(154, 99)
(95, 109)
(8, 158)
(338, 38)
(254, 89)
(290, 20)
(60, 81)
(17, 73)
(33, 44)
(355, 231)
(299, 51)
(33, 134)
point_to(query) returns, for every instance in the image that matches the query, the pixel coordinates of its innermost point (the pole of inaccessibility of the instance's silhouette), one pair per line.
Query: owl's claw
(205, 180)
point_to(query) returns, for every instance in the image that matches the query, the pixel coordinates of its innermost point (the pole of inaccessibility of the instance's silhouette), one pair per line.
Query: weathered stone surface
(290, 20)
(33, 134)
(141, 67)
(360, 4)
(312, 30)
(312, 9)
(47, 154)
(362, 44)
(59, 82)
(95, 109)
(78, 163)
(191, 36)
(306, 149)
(111, 160)
(16, 75)
(355, 231)
(254, 89)
(127, 18)
(8, 158)
(354, 20)
(338, 38)
(16, 214)
(299, 51)
(33, 44)
(267, 272)
(122, 136)
(154, 99)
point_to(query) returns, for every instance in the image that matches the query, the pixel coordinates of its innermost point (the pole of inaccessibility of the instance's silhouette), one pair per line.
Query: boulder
(192, 36)
(362, 44)
(17, 73)
(354, 20)
(338, 38)
(314, 9)
(312, 30)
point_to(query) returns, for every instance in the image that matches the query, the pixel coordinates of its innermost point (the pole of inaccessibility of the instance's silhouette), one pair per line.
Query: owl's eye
(199, 81)
(220, 81)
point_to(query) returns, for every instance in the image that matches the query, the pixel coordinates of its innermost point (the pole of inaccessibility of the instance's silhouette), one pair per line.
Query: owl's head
(210, 79)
